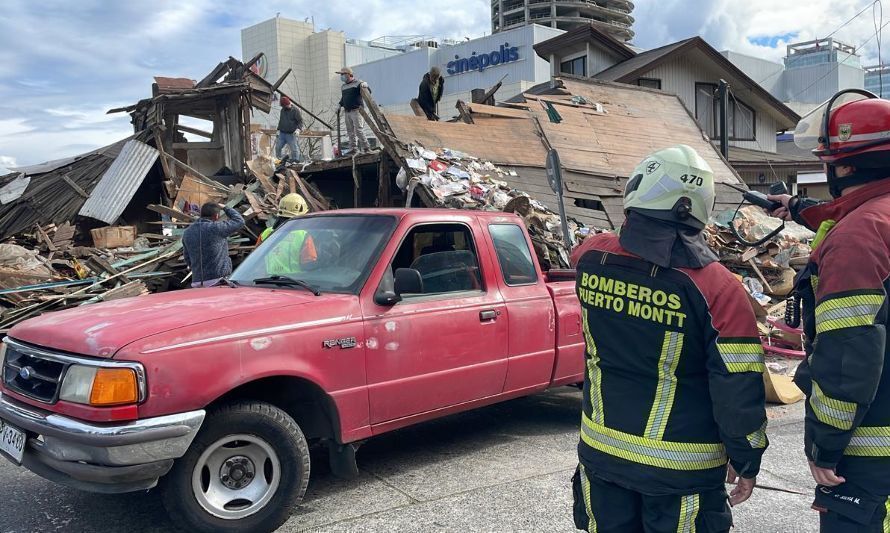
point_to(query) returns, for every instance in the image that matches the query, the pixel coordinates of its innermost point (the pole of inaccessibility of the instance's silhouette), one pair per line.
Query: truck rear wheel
(246, 470)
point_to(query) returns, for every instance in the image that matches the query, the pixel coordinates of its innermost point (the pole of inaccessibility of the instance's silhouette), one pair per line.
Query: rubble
(458, 180)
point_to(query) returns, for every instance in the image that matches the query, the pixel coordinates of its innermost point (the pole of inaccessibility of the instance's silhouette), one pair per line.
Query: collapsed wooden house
(601, 130)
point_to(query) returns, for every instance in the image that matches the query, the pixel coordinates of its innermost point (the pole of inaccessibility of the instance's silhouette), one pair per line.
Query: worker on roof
(844, 291)
(290, 123)
(673, 401)
(432, 86)
(352, 103)
(297, 249)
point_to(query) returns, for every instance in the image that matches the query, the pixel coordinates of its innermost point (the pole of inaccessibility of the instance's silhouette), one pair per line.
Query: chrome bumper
(101, 457)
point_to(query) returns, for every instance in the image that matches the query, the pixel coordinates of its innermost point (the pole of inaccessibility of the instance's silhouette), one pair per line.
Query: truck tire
(246, 471)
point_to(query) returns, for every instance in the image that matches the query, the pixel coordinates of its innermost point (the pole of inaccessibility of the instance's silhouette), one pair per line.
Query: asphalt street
(502, 468)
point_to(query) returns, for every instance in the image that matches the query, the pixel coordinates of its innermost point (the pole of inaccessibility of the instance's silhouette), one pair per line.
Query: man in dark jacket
(431, 88)
(843, 290)
(290, 122)
(205, 244)
(351, 102)
(673, 400)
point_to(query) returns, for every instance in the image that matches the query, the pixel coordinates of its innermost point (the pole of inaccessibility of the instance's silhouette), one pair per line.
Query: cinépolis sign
(480, 62)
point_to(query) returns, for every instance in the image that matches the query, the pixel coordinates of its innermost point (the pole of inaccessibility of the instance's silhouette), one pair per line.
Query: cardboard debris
(781, 389)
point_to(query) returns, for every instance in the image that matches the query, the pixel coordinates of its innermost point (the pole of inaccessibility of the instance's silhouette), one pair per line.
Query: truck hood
(102, 329)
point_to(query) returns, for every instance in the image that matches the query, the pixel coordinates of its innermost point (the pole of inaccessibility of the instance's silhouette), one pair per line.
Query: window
(741, 119)
(445, 256)
(333, 253)
(649, 83)
(577, 66)
(706, 108)
(513, 254)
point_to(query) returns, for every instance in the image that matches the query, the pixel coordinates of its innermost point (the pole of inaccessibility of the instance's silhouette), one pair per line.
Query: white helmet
(675, 185)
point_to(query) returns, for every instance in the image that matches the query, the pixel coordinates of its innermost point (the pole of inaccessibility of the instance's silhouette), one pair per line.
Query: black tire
(265, 422)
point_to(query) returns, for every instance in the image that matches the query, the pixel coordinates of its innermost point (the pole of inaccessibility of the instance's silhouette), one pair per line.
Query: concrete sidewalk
(502, 468)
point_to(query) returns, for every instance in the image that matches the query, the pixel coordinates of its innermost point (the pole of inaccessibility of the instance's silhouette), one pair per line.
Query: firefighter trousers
(849, 508)
(604, 507)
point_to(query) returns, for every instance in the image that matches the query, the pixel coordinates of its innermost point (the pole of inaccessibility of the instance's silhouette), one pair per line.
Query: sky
(63, 64)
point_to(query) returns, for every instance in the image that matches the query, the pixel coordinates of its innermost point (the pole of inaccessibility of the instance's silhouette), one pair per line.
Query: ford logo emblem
(25, 372)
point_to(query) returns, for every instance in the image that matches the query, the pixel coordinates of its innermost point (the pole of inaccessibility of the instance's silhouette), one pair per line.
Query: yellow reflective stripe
(689, 506)
(848, 312)
(886, 524)
(660, 453)
(742, 356)
(835, 413)
(869, 441)
(757, 439)
(667, 385)
(594, 374)
(814, 282)
(585, 490)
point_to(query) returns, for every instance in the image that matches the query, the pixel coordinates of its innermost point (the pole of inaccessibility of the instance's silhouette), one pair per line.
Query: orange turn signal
(114, 386)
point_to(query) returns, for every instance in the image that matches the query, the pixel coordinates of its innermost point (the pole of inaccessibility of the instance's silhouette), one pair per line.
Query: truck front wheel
(246, 470)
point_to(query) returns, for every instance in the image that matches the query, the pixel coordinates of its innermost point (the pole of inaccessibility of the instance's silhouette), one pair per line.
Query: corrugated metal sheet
(120, 182)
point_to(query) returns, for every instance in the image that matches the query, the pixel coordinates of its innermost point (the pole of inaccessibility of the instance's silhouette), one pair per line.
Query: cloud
(6, 162)
(63, 63)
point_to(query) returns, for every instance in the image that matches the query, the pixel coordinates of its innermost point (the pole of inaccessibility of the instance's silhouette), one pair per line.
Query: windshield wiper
(287, 281)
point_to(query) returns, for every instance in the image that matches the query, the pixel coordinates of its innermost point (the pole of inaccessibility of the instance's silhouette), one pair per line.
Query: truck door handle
(489, 314)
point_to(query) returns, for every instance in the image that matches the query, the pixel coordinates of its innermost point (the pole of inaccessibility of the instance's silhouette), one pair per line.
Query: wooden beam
(464, 111)
(75, 186)
(500, 112)
(200, 176)
(165, 166)
(384, 182)
(281, 80)
(196, 131)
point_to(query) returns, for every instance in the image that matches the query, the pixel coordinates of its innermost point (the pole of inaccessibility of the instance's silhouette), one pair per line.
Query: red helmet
(854, 129)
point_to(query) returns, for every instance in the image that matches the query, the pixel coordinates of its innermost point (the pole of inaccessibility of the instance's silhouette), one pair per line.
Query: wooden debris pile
(51, 267)
(454, 179)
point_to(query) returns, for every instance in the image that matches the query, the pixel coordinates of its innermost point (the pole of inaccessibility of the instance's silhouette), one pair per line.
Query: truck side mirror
(408, 281)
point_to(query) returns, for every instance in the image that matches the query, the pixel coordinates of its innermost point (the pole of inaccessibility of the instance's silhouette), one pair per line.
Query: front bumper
(101, 457)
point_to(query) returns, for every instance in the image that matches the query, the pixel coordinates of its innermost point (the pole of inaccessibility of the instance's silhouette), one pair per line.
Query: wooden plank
(75, 186)
(501, 112)
(196, 131)
(463, 111)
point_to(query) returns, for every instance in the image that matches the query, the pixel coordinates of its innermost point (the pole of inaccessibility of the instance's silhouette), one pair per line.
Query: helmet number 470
(691, 179)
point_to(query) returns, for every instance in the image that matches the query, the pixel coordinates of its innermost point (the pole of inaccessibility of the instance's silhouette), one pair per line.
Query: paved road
(503, 468)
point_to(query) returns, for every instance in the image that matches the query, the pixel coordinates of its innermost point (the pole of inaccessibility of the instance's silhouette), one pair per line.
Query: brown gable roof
(583, 34)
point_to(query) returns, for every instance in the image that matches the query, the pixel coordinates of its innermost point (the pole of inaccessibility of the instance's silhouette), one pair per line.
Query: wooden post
(464, 111)
(384, 181)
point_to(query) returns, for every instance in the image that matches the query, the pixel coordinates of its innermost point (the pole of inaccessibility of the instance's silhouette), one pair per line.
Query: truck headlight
(99, 386)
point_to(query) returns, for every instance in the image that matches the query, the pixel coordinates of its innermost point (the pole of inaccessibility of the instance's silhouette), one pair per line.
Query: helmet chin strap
(836, 185)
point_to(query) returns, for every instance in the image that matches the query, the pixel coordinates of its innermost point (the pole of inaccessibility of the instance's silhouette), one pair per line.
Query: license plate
(12, 441)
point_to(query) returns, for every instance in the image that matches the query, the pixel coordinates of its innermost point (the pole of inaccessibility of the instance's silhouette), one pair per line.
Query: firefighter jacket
(845, 377)
(673, 386)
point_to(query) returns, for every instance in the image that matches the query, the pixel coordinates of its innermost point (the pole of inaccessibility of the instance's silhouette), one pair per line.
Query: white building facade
(508, 56)
(314, 56)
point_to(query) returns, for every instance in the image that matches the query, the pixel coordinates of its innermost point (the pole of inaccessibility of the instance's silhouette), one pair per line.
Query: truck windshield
(331, 253)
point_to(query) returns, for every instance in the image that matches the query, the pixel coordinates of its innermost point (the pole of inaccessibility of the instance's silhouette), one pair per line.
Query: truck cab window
(445, 256)
(513, 254)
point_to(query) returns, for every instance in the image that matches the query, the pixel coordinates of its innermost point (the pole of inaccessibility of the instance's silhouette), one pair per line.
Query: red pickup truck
(396, 317)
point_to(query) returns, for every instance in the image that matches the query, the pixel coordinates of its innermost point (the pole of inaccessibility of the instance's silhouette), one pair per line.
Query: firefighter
(673, 401)
(843, 291)
(296, 250)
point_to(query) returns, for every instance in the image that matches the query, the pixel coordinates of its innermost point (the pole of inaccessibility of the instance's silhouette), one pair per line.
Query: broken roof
(600, 139)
